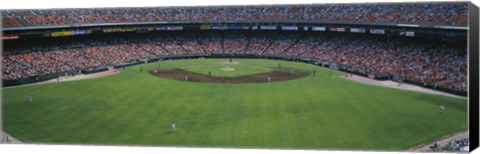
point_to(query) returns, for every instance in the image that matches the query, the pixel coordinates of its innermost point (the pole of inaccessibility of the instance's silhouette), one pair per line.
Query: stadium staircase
(179, 43)
(146, 50)
(158, 44)
(293, 44)
(14, 22)
(269, 44)
(221, 43)
(200, 43)
(314, 47)
(5, 23)
(249, 35)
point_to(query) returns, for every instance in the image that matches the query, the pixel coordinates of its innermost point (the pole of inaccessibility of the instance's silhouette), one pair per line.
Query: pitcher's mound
(227, 62)
(227, 69)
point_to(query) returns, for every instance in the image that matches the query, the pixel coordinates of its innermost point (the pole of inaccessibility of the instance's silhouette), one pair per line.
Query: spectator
(431, 63)
(446, 13)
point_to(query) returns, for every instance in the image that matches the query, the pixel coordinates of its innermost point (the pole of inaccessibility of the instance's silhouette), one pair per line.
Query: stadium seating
(457, 145)
(413, 13)
(427, 62)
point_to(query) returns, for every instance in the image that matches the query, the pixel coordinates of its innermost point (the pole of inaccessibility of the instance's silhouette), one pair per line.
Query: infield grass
(317, 112)
(215, 67)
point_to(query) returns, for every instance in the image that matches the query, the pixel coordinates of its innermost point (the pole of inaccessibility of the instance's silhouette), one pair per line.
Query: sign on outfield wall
(316, 28)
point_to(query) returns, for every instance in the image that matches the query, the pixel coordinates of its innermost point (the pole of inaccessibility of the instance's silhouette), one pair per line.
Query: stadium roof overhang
(252, 22)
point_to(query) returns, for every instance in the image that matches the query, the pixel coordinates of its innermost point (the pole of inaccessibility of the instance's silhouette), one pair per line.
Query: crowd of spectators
(281, 43)
(429, 62)
(212, 43)
(189, 43)
(444, 13)
(259, 42)
(452, 146)
(235, 43)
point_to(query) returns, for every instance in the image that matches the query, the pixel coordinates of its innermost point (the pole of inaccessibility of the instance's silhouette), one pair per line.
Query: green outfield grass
(315, 112)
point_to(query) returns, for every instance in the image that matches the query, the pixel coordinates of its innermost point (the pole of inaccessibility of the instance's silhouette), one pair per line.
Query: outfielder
(442, 109)
(174, 128)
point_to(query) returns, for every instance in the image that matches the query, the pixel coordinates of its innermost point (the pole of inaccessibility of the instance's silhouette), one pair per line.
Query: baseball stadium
(372, 76)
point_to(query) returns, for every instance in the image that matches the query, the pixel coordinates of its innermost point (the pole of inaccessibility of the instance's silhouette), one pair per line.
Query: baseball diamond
(373, 76)
(322, 111)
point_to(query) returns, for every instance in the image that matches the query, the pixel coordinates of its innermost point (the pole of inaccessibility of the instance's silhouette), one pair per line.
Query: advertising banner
(289, 28)
(113, 30)
(357, 30)
(409, 33)
(174, 28)
(10, 37)
(377, 31)
(79, 32)
(305, 28)
(316, 28)
(161, 28)
(217, 27)
(205, 27)
(268, 27)
(60, 34)
(237, 27)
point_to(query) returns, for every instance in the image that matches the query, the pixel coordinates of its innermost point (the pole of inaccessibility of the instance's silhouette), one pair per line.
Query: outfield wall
(34, 79)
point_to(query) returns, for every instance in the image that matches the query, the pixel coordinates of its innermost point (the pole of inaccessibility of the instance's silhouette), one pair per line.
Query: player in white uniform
(442, 109)
(174, 128)
(30, 99)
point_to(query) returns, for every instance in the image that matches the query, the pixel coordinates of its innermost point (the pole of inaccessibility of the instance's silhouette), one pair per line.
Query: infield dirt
(275, 76)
